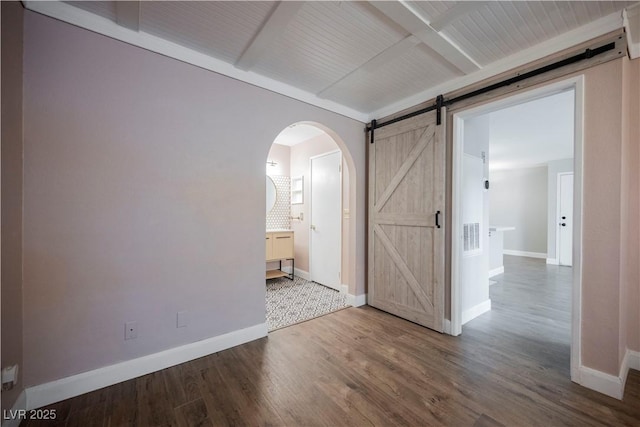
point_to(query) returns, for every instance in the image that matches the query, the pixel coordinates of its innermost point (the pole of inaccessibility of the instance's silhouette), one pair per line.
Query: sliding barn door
(406, 246)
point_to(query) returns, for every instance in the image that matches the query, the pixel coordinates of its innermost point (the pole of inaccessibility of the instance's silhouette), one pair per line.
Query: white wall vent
(471, 238)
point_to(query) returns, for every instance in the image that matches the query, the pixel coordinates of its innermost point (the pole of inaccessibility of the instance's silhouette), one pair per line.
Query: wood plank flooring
(363, 367)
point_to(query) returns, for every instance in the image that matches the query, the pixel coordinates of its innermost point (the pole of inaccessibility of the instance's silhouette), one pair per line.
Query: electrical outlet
(9, 377)
(182, 319)
(130, 330)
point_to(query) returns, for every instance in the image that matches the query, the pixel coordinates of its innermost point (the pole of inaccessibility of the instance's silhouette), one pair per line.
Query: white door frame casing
(339, 243)
(576, 84)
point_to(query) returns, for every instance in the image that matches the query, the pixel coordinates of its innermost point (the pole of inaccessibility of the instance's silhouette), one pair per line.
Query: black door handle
(564, 217)
(564, 224)
(438, 219)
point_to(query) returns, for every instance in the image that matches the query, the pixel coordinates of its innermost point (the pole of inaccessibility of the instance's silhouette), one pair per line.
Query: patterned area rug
(290, 302)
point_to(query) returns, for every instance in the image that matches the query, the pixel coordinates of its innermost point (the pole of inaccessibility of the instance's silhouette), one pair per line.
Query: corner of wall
(12, 194)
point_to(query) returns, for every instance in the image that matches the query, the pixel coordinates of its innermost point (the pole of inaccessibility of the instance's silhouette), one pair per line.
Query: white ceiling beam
(409, 18)
(280, 16)
(81, 18)
(380, 59)
(597, 28)
(128, 14)
(458, 11)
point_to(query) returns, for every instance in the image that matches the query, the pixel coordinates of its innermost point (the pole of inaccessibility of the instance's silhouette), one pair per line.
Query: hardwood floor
(531, 313)
(360, 366)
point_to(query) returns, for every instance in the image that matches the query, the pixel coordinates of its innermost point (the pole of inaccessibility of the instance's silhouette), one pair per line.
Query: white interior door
(326, 202)
(565, 218)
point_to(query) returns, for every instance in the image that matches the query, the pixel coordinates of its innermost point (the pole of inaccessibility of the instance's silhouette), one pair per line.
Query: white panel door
(565, 218)
(326, 228)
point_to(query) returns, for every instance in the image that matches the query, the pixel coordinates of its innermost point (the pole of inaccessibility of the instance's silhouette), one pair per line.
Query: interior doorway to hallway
(511, 159)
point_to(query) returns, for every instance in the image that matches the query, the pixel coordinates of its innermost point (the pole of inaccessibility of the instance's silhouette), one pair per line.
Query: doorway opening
(307, 224)
(516, 220)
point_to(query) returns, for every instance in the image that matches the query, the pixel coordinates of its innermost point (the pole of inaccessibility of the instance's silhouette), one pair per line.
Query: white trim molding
(553, 261)
(446, 327)
(631, 19)
(476, 311)
(601, 382)
(582, 34)
(75, 385)
(631, 360)
(496, 271)
(576, 84)
(541, 255)
(92, 22)
(17, 412)
(357, 300)
(610, 384)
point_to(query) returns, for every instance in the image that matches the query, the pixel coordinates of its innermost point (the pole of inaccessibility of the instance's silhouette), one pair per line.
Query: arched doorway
(308, 221)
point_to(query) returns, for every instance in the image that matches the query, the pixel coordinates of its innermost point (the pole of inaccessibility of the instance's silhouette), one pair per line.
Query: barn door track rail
(442, 102)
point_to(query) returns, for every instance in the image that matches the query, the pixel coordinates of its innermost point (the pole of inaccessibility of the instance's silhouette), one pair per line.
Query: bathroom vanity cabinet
(279, 247)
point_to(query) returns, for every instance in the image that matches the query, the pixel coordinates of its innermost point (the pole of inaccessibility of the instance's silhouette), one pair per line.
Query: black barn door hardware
(441, 102)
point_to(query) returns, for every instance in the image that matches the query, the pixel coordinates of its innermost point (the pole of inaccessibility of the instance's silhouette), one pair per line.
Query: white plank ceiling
(365, 56)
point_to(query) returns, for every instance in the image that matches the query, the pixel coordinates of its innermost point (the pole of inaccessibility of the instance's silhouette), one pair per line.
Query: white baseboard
(631, 360)
(601, 382)
(17, 412)
(476, 311)
(301, 273)
(357, 300)
(553, 261)
(344, 289)
(541, 255)
(496, 271)
(55, 391)
(610, 384)
(634, 359)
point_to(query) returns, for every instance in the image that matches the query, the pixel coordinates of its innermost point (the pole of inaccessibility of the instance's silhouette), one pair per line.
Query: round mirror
(271, 194)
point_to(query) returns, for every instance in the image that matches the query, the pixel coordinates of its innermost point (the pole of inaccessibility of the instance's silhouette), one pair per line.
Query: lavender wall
(630, 217)
(12, 13)
(601, 217)
(144, 195)
(633, 301)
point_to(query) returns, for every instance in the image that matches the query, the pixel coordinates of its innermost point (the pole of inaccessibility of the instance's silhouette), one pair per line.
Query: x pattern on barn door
(406, 245)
